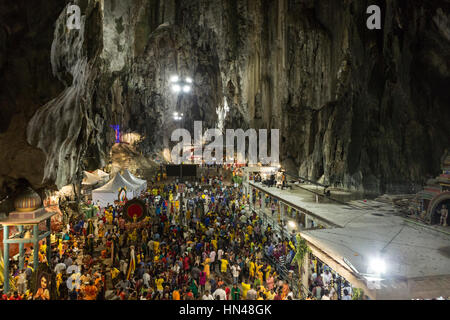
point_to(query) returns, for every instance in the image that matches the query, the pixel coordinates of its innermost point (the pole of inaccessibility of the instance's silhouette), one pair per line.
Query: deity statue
(444, 215)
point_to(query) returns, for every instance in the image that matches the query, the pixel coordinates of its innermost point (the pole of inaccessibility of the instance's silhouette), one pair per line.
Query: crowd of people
(198, 242)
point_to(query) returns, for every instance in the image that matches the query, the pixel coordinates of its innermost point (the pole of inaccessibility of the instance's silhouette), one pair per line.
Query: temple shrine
(29, 224)
(435, 198)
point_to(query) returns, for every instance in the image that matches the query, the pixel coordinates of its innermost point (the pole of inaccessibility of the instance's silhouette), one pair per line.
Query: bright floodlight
(176, 88)
(188, 80)
(186, 88)
(174, 79)
(292, 224)
(377, 266)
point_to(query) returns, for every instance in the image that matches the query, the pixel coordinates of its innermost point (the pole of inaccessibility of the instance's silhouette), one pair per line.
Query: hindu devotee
(192, 245)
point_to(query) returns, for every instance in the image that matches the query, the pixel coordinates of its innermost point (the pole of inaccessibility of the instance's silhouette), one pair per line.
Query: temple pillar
(35, 246)
(21, 251)
(48, 240)
(307, 222)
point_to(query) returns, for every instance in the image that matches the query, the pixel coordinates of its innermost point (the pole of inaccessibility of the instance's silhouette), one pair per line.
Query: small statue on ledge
(444, 215)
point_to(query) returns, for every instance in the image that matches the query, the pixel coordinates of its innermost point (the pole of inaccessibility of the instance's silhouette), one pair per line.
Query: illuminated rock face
(357, 108)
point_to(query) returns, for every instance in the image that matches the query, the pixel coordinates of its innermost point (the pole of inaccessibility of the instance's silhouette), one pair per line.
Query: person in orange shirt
(285, 291)
(176, 295)
(90, 291)
(220, 282)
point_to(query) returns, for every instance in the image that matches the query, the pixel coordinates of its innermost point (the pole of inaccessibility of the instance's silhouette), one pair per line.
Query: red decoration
(135, 208)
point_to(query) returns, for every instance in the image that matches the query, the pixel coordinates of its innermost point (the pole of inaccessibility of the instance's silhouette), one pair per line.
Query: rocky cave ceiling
(359, 109)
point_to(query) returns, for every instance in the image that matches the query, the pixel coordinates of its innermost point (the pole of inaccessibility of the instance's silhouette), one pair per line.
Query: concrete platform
(331, 213)
(417, 256)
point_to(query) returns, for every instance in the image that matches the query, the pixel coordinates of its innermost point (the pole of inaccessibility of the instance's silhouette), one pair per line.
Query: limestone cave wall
(357, 108)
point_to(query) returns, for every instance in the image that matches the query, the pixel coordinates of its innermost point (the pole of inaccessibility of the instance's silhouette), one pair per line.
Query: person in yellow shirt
(214, 243)
(43, 247)
(292, 245)
(159, 284)
(223, 267)
(249, 229)
(258, 267)
(206, 268)
(101, 233)
(156, 247)
(245, 288)
(268, 270)
(252, 270)
(42, 257)
(52, 238)
(262, 289)
(270, 295)
(139, 257)
(114, 273)
(109, 217)
(260, 275)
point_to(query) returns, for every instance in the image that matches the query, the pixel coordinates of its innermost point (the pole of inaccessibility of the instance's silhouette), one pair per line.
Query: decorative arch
(434, 203)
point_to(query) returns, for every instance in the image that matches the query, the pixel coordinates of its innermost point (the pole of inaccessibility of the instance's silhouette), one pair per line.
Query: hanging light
(176, 88)
(174, 78)
(377, 266)
(186, 88)
(189, 80)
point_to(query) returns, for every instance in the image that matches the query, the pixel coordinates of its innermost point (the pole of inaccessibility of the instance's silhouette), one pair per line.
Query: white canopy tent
(90, 179)
(135, 180)
(110, 191)
(102, 175)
